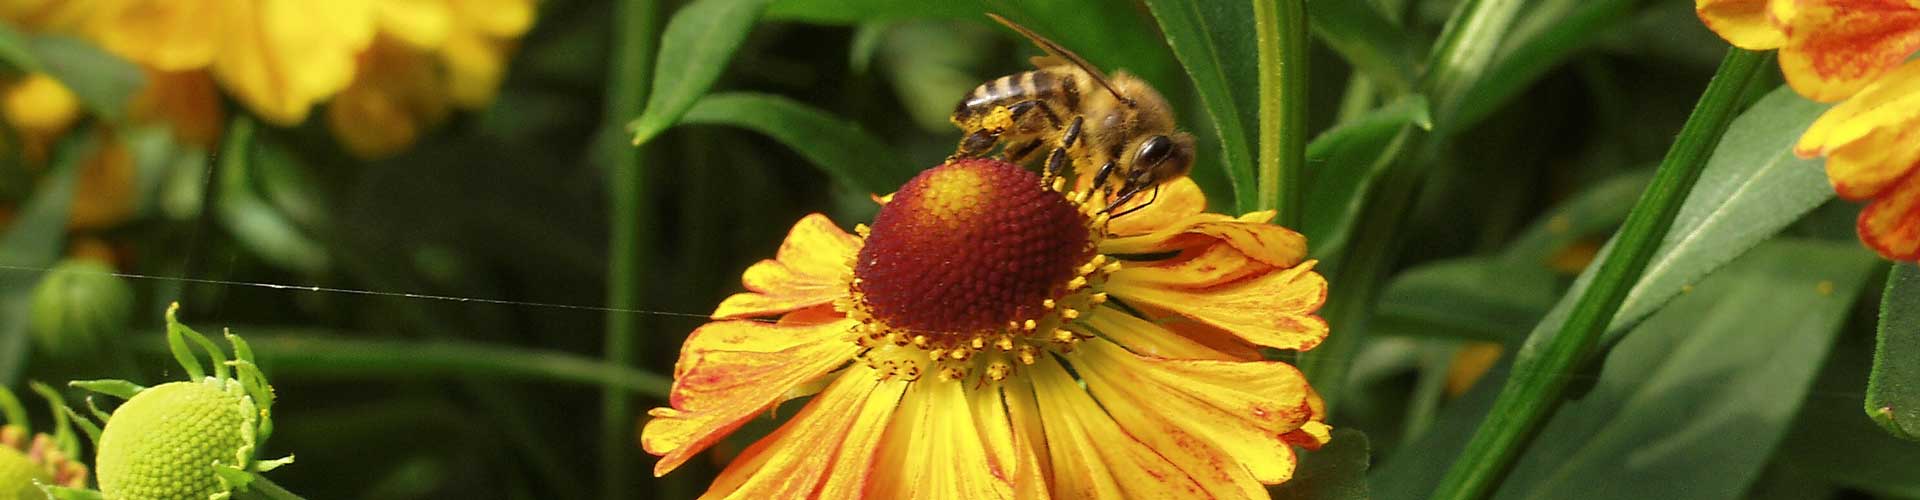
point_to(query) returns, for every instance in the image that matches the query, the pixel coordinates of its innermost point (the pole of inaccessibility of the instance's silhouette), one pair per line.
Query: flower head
(430, 56)
(1829, 49)
(993, 336)
(1872, 145)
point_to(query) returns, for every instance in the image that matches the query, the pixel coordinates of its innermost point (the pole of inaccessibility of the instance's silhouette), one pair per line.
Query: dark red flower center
(970, 246)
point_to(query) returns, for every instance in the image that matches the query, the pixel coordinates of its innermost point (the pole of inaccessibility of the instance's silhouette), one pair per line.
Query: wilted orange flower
(989, 337)
(431, 55)
(1829, 49)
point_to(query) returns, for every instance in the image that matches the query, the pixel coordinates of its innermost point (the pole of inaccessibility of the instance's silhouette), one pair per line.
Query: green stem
(1542, 368)
(316, 356)
(1464, 51)
(1281, 35)
(268, 490)
(635, 23)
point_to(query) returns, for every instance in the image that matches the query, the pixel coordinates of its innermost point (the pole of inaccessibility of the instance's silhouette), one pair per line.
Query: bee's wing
(1057, 55)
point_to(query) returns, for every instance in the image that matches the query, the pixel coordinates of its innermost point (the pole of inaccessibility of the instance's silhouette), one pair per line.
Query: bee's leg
(1057, 161)
(977, 144)
(1100, 176)
(1123, 199)
(1018, 153)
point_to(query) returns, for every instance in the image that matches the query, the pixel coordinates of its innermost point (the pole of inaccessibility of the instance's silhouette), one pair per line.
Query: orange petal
(1207, 266)
(1178, 199)
(810, 269)
(729, 371)
(1891, 224)
(1835, 47)
(1274, 310)
(933, 449)
(1891, 101)
(1208, 399)
(1092, 456)
(1868, 167)
(1250, 234)
(1151, 339)
(848, 419)
(1743, 23)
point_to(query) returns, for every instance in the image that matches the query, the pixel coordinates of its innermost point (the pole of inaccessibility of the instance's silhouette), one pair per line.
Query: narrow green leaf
(842, 149)
(1893, 389)
(1344, 161)
(31, 244)
(1374, 45)
(1833, 442)
(1337, 471)
(1484, 298)
(104, 83)
(14, 50)
(1213, 41)
(694, 50)
(1545, 37)
(859, 11)
(254, 221)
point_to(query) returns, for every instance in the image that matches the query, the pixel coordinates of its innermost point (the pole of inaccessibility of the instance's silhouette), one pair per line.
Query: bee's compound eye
(1153, 151)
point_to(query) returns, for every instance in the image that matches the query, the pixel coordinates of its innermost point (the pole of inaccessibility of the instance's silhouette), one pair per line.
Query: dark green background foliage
(444, 322)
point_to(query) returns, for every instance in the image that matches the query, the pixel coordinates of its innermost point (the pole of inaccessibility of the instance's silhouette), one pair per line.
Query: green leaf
(1360, 33)
(31, 244)
(1344, 161)
(1835, 443)
(858, 11)
(255, 222)
(1593, 212)
(15, 51)
(1546, 36)
(841, 148)
(1893, 389)
(104, 83)
(1735, 357)
(1482, 298)
(694, 50)
(931, 63)
(1215, 42)
(1337, 471)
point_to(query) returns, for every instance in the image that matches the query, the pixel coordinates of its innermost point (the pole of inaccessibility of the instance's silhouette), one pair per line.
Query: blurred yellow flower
(430, 56)
(279, 57)
(957, 349)
(41, 109)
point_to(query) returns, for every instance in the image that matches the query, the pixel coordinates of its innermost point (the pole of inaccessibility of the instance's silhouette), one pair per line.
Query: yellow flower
(989, 337)
(1872, 144)
(41, 109)
(279, 57)
(1829, 49)
(431, 55)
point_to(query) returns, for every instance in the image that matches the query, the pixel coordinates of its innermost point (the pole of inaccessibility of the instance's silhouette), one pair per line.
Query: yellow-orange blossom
(991, 337)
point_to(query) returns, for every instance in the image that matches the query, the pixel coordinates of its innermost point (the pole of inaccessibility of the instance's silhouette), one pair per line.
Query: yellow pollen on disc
(952, 195)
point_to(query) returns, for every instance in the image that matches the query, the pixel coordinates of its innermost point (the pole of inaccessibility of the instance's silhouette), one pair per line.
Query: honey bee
(1124, 125)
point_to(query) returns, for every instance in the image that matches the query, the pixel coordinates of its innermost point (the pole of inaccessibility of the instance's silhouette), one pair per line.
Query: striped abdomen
(1059, 87)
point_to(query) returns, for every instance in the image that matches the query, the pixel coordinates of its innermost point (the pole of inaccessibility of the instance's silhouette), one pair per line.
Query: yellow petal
(1205, 409)
(1891, 101)
(1891, 224)
(1178, 199)
(104, 195)
(809, 269)
(421, 23)
(934, 450)
(832, 440)
(1092, 456)
(1835, 47)
(1147, 338)
(497, 18)
(1266, 243)
(475, 65)
(1868, 167)
(1275, 310)
(169, 35)
(1208, 266)
(729, 371)
(285, 55)
(39, 104)
(1743, 23)
(1033, 475)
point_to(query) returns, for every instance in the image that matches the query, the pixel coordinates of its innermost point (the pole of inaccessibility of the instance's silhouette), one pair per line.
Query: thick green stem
(1464, 51)
(1543, 367)
(319, 356)
(1281, 34)
(629, 255)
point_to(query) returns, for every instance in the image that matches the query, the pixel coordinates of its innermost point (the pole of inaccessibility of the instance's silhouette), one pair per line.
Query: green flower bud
(18, 475)
(168, 439)
(78, 308)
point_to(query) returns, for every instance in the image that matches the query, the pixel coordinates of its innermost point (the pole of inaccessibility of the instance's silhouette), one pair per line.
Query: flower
(431, 55)
(1872, 145)
(993, 336)
(1829, 49)
(279, 57)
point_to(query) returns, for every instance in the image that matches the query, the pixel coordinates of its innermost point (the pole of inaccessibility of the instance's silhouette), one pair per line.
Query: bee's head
(1161, 158)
